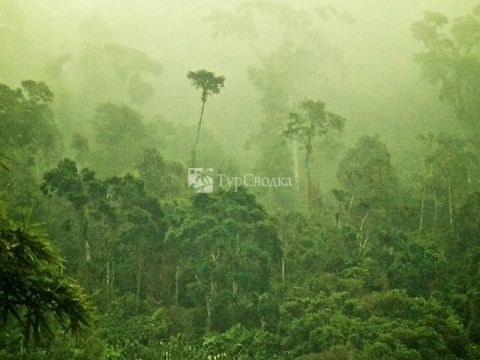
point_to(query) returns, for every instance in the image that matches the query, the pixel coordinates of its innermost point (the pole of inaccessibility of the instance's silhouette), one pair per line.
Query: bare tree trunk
(283, 271)
(112, 277)
(84, 233)
(360, 231)
(177, 277)
(197, 137)
(139, 273)
(450, 207)
(422, 207)
(209, 313)
(350, 207)
(105, 236)
(308, 180)
(307, 171)
(296, 168)
(435, 210)
(209, 298)
(108, 271)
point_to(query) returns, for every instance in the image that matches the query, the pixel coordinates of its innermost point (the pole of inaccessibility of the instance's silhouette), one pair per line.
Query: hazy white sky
(381, 77)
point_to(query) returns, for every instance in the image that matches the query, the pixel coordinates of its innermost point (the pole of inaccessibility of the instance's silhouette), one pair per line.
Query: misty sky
(379, 87)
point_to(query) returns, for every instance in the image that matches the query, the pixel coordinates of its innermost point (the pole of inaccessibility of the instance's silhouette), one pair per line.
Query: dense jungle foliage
(373, 252)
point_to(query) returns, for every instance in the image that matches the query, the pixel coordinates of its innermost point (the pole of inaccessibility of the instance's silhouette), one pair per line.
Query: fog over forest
(371, 77)
(242, 179)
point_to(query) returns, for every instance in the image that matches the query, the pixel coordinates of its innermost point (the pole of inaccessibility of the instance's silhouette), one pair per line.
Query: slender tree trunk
(450, 207)
(139, 272)
(209, 312)
(177, 277)
(422, 206)
(108, 275)
(112, 277)
(308, 180)
(350, 204)
(307, 169)
(296, 168)
(283, 271)
(197, 136)
(105, 236)
(360, 230)
(435, 210)
(84, 233)
(209, 298)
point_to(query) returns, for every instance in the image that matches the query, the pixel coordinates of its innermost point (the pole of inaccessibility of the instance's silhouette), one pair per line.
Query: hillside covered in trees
(239, 180)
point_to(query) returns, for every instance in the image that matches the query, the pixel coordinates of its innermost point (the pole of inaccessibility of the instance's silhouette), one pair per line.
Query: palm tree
(209, 84)
(33, 283)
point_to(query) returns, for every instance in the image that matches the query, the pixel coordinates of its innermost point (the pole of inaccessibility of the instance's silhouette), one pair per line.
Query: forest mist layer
(370, 78)
(368, 110)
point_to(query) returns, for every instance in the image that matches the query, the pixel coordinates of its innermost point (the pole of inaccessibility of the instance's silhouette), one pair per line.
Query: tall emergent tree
(311, 121)
(451, 58)
(209, 84)
(27, 124)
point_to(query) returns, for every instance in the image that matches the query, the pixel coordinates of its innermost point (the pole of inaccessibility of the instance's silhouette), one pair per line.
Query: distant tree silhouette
(209, 84)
